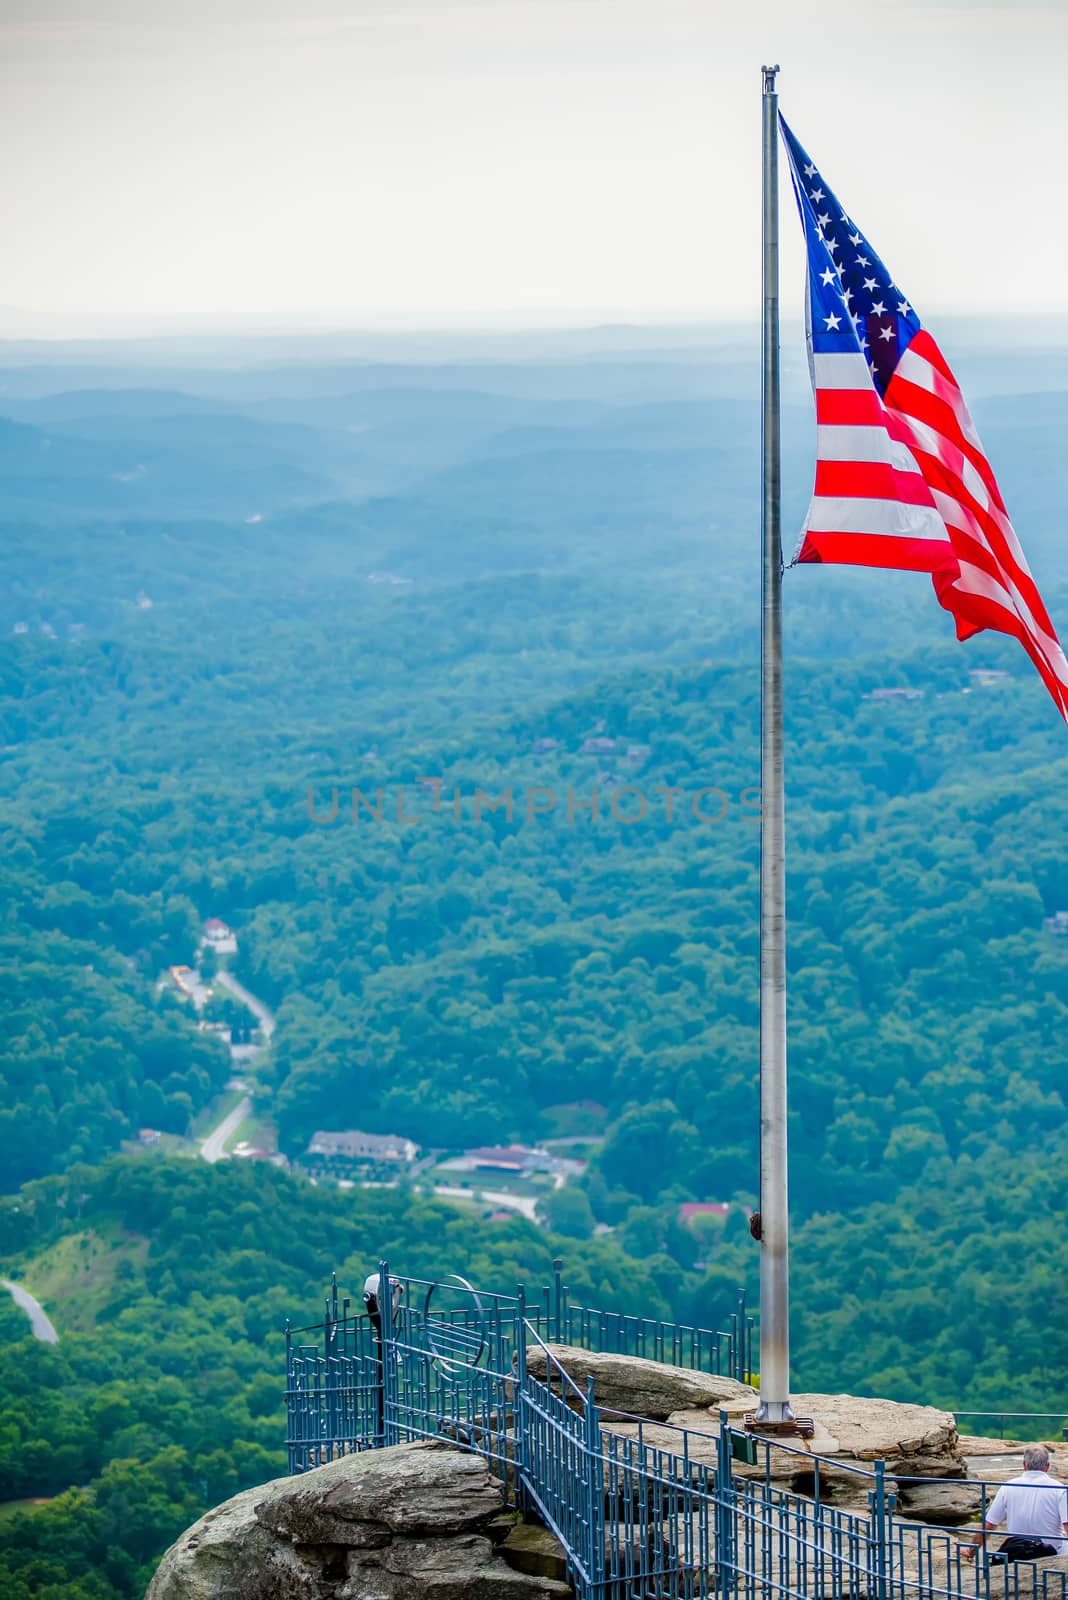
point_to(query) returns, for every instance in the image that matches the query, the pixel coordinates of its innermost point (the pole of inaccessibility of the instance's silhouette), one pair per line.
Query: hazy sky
(516, 161)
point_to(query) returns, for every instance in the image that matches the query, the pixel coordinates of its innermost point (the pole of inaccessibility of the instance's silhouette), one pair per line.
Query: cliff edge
(398, 1524)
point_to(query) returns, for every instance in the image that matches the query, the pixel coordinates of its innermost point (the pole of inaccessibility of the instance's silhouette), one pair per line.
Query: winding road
(39, 1319)
(257, 1007)
(213, 1148)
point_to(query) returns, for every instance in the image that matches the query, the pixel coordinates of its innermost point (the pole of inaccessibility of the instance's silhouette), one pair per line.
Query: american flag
(901, 477)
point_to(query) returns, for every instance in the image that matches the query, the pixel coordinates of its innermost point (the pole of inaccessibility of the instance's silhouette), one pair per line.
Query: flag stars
(862, 261)
(886, 333)
(904, 308)
(810, 170)
(870, 284)
(854, 239)
(828, 275)
(816, 195)
(878, 308)
(833, 323)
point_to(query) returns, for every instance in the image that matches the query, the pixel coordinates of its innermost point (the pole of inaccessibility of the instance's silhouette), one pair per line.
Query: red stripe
(871, 480)
(843, 407)
(878, 550)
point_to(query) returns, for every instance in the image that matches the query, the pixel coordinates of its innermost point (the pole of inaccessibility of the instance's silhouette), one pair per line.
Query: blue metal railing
(642, 1509)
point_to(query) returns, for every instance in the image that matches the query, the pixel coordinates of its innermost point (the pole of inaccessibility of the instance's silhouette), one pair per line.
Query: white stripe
(974, 485)
(849, 442)
(956, 514)
(928, 438)
(833, 514)
(848, 370)
(916, 369)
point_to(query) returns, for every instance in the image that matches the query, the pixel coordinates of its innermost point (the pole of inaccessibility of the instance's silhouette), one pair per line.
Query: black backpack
(1022, 1547)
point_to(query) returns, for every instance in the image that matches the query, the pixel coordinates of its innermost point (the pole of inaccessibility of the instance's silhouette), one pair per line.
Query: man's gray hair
(1036, 1458)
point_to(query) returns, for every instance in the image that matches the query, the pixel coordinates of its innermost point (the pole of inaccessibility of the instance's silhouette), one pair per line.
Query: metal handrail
(549, 1357)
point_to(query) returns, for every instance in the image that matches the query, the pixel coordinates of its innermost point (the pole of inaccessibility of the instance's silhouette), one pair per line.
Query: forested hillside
(437, 682)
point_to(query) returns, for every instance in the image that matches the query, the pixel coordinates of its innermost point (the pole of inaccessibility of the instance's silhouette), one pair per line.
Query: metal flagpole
(774, 1209)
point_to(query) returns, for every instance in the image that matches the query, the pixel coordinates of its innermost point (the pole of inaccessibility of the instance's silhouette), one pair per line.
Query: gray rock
(867, 1427)
(396, 1524)
(643, 1388)
(533, 1549)
(946, 1505)
(949, 1465)
(363, 1500)
(228, 1555)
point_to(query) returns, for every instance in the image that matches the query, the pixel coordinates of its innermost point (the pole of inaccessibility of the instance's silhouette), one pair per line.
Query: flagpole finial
(769, 78)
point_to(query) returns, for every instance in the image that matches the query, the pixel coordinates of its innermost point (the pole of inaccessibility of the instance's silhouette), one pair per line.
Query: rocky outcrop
(917, 1443)
(414, 1521)
(644, 1388)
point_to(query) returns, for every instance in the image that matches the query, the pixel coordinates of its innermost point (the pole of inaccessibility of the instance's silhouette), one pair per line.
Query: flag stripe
(846, 407)
(859, 480)
(875, 550)
(863, 444)
(890, 518)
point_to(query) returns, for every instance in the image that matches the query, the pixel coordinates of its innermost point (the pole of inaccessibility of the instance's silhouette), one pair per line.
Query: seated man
(1034, 1508)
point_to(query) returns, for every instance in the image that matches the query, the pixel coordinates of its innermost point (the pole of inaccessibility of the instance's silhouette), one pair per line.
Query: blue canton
(853, 302)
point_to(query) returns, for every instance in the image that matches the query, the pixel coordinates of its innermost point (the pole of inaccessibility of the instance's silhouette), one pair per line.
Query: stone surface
(999, 1459)
(643, 1388)
(399, 1524)
(364, 1500)
(702, 1445)
(533, 1549)
(851, 1431)
(866, 1428)
(946, 1505)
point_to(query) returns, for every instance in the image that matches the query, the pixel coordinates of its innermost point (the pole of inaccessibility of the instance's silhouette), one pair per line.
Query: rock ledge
(399, 1524)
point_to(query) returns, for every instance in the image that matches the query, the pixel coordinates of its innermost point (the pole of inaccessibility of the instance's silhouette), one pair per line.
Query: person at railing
(1034, 1509)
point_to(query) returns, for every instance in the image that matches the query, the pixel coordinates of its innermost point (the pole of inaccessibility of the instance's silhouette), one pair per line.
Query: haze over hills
(234, 579)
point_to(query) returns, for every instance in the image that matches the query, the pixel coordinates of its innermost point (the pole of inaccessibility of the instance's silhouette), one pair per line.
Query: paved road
(257, 1007)
(211, 1148)
(39, 1322)
(523, 1203)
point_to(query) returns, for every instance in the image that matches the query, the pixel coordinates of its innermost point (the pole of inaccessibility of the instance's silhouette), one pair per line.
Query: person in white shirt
(1033, 1506)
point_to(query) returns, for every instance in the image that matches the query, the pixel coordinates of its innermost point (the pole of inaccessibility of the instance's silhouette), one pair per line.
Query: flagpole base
(785, 1427)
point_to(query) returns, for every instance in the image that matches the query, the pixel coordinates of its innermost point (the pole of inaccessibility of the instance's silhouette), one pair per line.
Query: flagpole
(774, 1209)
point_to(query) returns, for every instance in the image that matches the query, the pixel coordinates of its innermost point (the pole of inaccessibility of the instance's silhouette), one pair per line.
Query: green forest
(438, 683)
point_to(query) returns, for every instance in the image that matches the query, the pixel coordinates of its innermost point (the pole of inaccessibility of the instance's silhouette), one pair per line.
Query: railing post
(594, 1476)
(386, 1364)
(724, 1509)
(558, 1290)
(880, 1542)
(290, 1447)
(520, 1464)
(740, 1341)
